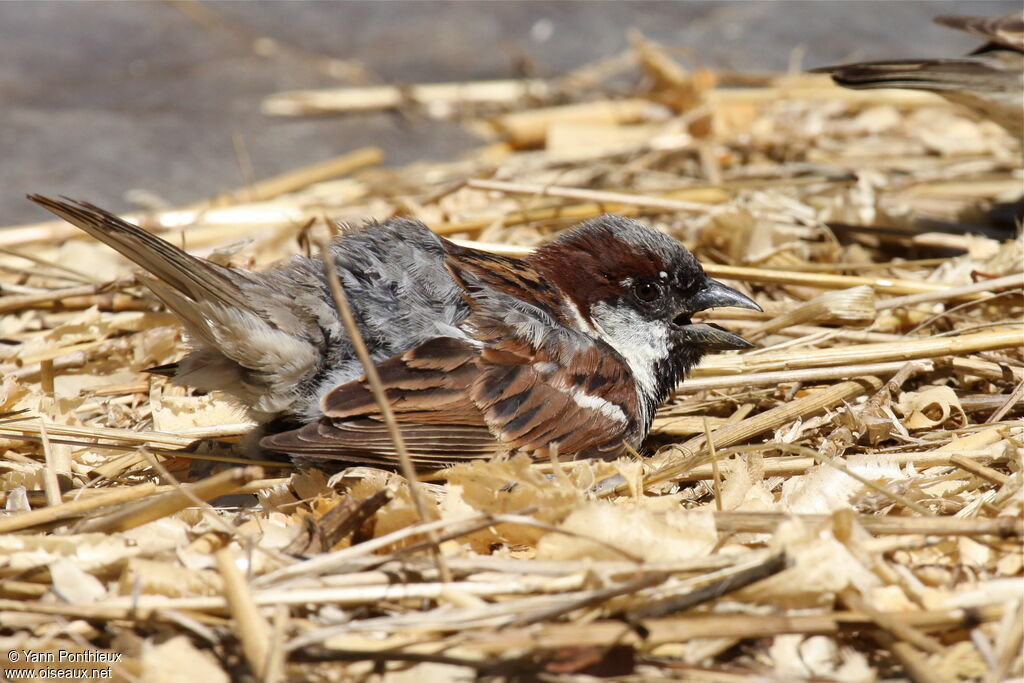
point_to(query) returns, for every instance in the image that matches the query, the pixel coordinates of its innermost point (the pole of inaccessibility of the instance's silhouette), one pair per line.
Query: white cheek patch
(642, 343)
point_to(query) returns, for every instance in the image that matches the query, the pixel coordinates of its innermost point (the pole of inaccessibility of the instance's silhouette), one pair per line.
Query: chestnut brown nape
(591, 261)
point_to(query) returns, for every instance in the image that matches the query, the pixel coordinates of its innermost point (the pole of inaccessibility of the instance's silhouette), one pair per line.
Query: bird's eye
(646, 291)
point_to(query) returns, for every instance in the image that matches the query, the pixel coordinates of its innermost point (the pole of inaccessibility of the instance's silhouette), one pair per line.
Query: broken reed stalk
(17, 521)
(1014, 281)
(377, 97)
(1011, 400)
(825, 280)
(23, 426)
(157, 507)
(381, 397)
(353, 596)
(205, 225)
(684, 425)
(710, 586)
(574, 212)
(593, 598)
(824, 90)
(615, 569)
(34, 371)
(600, 196)
(911, 349)
(677, 460)
(112, 302)
(918, 669)
(50, 483)
(251, 627)
(766, 521)
(277, 656)
(113, 467)
(355, 99)
(795, 466)
(529, 128)
(37, 497)
(298, 179)
(20, 302)
(987, 473)
(771, 379)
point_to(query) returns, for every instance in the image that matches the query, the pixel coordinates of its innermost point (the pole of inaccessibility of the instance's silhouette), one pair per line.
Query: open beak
(714, 295)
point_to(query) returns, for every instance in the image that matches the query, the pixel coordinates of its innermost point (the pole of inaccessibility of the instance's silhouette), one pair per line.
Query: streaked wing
(531, 397)
(428, 390)
(429, 383)
(524, 381)
(481, 274)
(456, 401)
(542, 381)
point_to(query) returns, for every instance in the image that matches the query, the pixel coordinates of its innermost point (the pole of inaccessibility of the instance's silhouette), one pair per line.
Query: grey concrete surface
(99, 98)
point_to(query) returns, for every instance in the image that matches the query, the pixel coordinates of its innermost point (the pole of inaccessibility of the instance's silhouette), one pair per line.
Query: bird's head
(636, 289)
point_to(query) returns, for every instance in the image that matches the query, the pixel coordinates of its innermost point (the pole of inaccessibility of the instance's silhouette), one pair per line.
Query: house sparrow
(572, 347)
(989, 80)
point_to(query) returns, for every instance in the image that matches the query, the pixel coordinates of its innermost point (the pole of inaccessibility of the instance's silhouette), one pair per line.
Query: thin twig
(1014, 281)
(168, 503)
(715, 474)
(380, 395)
(1011, 400)
(26, 520)
(976, 468)
(601, 196)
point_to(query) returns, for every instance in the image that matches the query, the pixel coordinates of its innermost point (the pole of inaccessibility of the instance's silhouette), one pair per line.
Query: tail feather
(1007, 31)
(194, 277)
(915, 74)
(165, 370)
(248, 338)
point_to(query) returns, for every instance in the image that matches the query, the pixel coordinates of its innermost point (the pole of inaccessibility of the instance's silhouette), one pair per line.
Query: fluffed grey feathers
(274, 339)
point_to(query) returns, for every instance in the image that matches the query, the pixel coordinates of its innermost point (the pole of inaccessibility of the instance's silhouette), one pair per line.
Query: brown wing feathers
(427, 387)
(532, 404)
(458, 402)
(431, 378)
